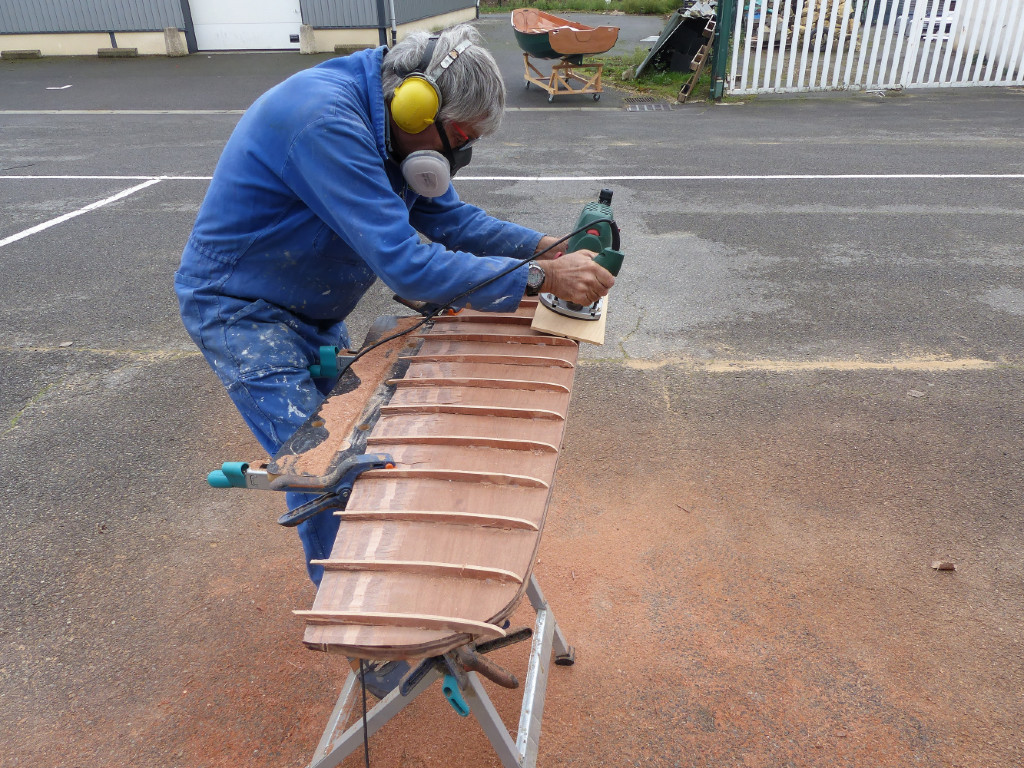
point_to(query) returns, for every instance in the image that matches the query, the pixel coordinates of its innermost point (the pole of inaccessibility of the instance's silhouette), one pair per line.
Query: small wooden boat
(544, 36)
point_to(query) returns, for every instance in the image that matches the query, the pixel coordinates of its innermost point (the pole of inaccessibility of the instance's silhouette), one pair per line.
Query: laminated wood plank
(455, 476)
(473, 427)
(379, 442)
(478, 458)
(457, 325)
(421, 567)
(521, 318)
(501, 359)
(552, 374)
(422, 424)
(563, 355)
(435, 517)
(551, 400)
(312, 455)
(476, 411)
(498, 335)
(413, 620)
(462, 381)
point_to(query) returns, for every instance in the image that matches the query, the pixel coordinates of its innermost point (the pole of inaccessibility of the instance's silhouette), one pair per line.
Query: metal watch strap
(534, 279)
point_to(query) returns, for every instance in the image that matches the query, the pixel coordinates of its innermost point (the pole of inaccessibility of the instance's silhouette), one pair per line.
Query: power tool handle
(610, 259)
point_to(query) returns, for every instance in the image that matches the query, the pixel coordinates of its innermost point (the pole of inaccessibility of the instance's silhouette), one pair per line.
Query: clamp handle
(230, 475)
(450, 689)
(327, 365)
(337, 497)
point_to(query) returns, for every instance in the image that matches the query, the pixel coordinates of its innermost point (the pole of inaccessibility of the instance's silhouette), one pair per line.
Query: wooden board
(310, 457)
(439, 549)
(590, 331)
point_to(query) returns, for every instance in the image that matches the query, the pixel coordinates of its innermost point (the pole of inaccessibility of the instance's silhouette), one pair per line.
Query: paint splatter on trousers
(262, 354)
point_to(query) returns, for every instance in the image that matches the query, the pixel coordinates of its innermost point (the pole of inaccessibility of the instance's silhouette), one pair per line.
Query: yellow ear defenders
(417, 99)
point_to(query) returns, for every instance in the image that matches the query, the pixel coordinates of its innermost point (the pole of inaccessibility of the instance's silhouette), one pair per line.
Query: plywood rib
(414, 620)
(421, 567)
(435, 517)
(478, 411)
(460, 440)
(470, 357)
(564, 356)
(437, 550)
(458, 381)
(465, 318)
(454, 476)
(498, 335)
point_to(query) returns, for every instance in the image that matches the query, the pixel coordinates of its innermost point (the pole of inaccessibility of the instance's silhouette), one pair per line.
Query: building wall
(157, 27)
(320, 40)
(346, 14)
(49, 16)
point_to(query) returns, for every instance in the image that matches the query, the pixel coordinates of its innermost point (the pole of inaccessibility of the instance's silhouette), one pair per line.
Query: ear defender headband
(417, 99)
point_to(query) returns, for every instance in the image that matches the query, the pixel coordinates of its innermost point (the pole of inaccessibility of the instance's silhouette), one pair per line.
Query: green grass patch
(619, 74)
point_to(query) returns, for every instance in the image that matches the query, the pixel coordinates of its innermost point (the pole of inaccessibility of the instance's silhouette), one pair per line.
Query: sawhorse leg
(521, 753)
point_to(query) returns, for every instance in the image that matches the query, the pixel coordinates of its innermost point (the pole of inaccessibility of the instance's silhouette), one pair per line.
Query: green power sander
(596, 231)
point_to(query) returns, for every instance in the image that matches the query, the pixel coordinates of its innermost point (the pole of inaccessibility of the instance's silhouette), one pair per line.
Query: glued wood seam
(427, 516)
(503, 319)
(410, 620)
(469, 442)
(455, 475)
(473, 410)
(421, 567)
(451, 381)
(537, 360)
(536, 338)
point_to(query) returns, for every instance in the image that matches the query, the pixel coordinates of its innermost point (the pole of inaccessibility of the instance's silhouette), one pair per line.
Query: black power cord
(366, 733)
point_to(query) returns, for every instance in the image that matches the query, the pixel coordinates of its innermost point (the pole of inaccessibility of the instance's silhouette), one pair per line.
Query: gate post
(723, 40)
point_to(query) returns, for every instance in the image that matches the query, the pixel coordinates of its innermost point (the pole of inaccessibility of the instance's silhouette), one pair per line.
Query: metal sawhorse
(521, 753)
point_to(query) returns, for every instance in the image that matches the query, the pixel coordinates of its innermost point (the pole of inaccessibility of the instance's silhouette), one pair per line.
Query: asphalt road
(814, 352)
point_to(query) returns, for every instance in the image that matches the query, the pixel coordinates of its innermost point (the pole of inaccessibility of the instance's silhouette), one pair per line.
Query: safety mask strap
(457, 158)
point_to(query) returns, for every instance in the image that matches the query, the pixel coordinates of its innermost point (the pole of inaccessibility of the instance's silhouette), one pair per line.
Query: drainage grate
(640, 100)
(660, 106)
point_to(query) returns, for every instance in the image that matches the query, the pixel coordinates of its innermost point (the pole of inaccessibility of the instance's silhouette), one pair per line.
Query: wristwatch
(534, 278)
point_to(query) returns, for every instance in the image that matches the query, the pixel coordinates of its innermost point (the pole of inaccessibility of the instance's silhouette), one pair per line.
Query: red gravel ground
(742, 563)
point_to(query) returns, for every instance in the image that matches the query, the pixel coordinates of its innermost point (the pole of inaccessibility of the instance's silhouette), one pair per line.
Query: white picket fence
(788, 46)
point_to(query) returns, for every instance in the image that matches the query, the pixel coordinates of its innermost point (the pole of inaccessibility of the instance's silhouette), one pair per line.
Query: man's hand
(575, 277)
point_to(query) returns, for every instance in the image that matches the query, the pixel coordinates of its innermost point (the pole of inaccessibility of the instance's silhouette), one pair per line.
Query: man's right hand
(576, 277)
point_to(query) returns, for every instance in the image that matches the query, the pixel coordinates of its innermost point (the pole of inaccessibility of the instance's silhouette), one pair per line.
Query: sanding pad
(590, 331)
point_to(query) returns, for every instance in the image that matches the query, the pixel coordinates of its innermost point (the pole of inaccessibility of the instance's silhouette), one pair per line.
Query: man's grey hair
(472, 90)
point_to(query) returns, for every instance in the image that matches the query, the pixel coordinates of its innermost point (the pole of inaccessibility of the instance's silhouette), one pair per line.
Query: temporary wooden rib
(439, 549)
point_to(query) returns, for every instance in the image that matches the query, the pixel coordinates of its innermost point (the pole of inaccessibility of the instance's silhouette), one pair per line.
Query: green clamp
(327, 367)
(450, 689)
(230, 475)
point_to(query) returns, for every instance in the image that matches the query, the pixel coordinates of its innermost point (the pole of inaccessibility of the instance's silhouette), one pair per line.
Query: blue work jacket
(306, 209)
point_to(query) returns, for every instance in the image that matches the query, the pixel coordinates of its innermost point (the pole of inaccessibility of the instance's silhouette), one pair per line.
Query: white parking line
(79, 212)
(151, 180)
(706, 177)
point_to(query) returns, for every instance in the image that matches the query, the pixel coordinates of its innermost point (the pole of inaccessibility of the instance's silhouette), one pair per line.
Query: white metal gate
(781, 46)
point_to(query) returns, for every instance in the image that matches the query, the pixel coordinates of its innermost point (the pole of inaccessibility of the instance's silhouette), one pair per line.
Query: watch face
(535, 277)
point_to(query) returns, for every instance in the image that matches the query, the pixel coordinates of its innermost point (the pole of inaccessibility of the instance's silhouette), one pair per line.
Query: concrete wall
(313, 40)
(169, 43)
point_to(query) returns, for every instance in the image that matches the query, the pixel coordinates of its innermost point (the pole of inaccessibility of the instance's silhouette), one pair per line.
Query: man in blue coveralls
(324, 186)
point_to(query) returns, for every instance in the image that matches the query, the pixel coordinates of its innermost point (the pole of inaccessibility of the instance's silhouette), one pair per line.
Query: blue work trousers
(262, 354)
